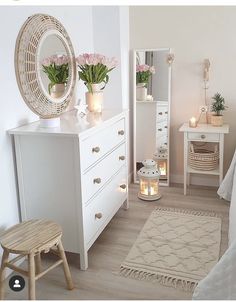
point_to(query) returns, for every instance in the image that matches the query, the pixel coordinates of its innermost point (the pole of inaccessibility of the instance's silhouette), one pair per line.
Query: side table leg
(221, 157)
(185, 162)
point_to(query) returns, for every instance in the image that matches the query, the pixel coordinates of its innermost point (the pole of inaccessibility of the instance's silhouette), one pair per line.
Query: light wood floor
(102, 280)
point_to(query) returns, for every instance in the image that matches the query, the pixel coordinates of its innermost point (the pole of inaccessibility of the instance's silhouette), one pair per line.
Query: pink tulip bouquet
(94, 69)
(143, 73)
(57, 70)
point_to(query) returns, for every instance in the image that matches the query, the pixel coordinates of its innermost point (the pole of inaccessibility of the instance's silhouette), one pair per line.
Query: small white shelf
(210, 172)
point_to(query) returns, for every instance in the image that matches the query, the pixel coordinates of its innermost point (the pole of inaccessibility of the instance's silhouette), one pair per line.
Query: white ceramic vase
(57, 91)
(141, 92)
(94, 99)
(50, 122)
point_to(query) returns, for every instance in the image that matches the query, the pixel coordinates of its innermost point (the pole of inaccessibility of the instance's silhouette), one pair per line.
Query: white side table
(203, 133)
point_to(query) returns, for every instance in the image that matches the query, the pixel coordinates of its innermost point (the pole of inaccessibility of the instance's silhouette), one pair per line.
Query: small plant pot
(217, 120)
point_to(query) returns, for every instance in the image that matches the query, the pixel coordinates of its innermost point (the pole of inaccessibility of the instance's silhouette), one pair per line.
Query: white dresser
(76, 175)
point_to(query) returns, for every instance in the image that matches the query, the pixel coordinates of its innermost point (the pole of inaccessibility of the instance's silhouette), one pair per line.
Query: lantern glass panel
(162, 165)
(153, 187)
(143, 186)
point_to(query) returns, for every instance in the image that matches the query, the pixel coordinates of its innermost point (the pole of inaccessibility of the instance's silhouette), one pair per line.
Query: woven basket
(203, 159)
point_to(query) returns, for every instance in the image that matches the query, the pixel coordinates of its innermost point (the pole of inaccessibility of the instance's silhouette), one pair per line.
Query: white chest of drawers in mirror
(75, 174)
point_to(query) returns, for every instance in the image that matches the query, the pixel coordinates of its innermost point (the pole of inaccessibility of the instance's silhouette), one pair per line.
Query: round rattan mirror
(45, 66)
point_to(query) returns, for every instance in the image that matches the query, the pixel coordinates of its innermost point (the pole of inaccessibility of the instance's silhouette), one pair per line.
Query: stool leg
(38, 263)
(2, 273)
(31, 277)
(66, 269)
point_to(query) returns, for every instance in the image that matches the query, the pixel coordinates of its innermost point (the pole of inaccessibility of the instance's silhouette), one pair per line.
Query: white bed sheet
(220, 283)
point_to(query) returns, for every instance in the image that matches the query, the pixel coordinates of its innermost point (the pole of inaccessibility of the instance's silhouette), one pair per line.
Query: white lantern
(149, 181)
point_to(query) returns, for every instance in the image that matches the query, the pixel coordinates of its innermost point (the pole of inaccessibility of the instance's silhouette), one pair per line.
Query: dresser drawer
(97, 145)
(98, 213)
(208, 137)
(97, 176)
(162, 113)
(161, 141)
(161, 127)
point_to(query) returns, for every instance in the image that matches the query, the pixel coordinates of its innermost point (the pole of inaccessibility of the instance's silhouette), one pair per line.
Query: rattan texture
(203, 159)
(26, 65)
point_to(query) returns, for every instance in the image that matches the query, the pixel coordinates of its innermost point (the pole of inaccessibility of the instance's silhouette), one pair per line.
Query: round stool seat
(31, 236)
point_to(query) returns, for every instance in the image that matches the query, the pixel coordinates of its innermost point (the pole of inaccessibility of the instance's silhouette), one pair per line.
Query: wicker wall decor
(29, 41)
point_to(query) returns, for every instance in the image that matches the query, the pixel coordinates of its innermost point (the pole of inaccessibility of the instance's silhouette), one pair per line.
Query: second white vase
(57, 91)
(141, 92)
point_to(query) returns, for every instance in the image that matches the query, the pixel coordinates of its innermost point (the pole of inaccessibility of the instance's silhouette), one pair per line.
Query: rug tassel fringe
(166, 280)
(189, 211)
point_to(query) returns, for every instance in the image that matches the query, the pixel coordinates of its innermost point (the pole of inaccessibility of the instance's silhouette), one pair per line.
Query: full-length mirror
(152, 83)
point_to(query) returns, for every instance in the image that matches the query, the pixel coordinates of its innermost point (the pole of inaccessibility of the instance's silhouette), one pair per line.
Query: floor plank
(102, 279)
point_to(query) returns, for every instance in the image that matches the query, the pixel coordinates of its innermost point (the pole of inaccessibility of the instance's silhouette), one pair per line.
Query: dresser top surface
(71, 123)
(204, 128)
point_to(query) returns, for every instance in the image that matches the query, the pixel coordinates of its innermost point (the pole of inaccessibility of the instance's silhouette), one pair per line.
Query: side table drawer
(208, 137)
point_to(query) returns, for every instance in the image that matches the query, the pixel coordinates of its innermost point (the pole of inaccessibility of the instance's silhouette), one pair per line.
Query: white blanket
(226, 187)
(220, 283)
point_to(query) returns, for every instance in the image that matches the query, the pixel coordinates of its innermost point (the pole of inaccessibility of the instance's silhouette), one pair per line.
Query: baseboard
(196, 179)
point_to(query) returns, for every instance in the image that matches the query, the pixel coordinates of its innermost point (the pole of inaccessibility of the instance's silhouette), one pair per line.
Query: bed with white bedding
(220, 283)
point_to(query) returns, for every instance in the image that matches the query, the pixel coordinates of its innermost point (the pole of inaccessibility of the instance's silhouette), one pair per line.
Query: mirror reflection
(54, 66)
(152, 100)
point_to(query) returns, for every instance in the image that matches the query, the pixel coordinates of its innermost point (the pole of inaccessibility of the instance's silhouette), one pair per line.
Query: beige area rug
(176, 247)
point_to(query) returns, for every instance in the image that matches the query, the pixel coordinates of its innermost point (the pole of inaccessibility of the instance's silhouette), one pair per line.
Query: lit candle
(193, 122)
(152, 192)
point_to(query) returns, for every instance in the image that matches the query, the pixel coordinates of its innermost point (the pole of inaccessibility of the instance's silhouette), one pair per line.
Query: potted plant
(93, 70)
(57, 69)
(217, 106)
(143, 74)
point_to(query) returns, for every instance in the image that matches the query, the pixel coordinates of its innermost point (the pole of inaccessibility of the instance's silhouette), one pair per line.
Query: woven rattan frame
(28, 41)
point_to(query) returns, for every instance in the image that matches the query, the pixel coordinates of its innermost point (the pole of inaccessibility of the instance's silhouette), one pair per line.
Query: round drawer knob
(96, 149)
(98, 215)
(160, 113)
(122, 157)
(159, 129)
(123, 186)
(121, 132)
(166, 112)
(97, 180)
(166, 127)
(203, 136)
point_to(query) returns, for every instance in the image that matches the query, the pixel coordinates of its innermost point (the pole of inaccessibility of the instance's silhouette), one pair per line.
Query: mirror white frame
(135, 177)
(29, 41)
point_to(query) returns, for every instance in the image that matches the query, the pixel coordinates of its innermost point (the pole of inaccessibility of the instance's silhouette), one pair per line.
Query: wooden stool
(29, 239)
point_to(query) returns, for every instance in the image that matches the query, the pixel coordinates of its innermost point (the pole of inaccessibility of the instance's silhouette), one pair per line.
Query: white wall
(194, 33)
(111, 38)
(14, 112)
